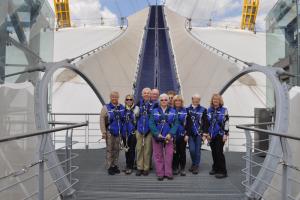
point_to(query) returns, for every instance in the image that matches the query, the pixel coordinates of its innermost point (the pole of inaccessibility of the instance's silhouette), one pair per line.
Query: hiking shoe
(146, 173)
(111, 171)
(138, 172)
(191, 169)
(195, 170)
(116, 170)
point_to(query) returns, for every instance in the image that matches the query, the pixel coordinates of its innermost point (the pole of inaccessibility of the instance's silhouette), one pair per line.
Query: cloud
(223, 12)
(89, 12)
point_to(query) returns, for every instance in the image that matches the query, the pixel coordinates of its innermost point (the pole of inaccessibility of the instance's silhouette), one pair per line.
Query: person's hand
(225, 138)
(186, 138)
(104, 136)
(208, 137)
(160, 136)
(168, 137)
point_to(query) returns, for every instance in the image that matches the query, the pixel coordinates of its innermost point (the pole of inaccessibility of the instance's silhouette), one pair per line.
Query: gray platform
(96, 184)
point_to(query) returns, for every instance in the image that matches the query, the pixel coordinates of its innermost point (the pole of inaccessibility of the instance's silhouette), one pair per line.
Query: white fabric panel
(240, 43)
(17, 117)
(114, 67)
(204, 72)
(71, 42)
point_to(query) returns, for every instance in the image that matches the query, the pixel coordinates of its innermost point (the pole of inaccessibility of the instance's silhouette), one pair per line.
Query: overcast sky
(222, 12)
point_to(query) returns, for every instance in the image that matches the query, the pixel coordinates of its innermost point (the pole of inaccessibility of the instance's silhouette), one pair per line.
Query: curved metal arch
(41, 116)
(281, 123)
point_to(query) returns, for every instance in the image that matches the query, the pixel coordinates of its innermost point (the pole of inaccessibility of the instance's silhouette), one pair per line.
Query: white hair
(164, 95)
(196, 96)
(146, 89)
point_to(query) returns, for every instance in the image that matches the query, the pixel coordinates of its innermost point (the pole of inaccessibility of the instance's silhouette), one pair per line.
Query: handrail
(36, 69)
(61, 123)
(101, 46)
(248, 128)
(235, 59)
(75, 113)
(22, 136)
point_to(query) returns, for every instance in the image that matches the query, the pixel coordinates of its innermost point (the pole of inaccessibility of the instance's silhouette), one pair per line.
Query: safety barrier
(64, 152)
(286, 172)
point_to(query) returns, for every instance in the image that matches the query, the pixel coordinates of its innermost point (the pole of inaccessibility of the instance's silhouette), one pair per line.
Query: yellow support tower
(62, 12)
(250, 9)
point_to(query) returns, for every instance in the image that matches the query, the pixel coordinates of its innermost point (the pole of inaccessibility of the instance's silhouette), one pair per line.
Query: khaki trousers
(144, 151)
(112, 150)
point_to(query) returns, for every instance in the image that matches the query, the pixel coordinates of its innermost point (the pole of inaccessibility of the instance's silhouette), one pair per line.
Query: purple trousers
(163, 158)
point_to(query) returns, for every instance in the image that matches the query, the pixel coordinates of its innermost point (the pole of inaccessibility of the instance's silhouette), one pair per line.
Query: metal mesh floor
(95, 183)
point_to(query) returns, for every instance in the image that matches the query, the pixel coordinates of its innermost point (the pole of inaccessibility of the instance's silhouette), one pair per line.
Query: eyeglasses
(164, 100)
(129, 99)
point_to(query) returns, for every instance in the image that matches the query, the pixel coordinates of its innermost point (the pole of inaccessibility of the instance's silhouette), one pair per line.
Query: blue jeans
(195, 143)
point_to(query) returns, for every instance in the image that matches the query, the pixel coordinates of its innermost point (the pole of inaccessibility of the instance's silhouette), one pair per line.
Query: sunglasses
(164, 100)
(129, 99)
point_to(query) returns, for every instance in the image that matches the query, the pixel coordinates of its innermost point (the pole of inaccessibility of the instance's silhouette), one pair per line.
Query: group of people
(160, 127)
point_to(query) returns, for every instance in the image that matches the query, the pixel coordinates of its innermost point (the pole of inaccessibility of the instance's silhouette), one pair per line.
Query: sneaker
(182, 173)
(175, 172)
(212, 172)
(138, 172)
(195, 170)
(111, 171)
(170, 178)
(146, 173)
(219, 176)
(116, 170)
(128, 171)
(160, 178)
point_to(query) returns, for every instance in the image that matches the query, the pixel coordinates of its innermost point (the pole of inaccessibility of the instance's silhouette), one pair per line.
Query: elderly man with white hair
(163, 125)
(154, 98)
(197, 125)
(144, 138)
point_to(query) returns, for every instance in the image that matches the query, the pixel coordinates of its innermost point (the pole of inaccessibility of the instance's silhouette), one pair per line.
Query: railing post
(86, 133)
(285, 170)
(249, 160)
(41, 166)
(67, 155)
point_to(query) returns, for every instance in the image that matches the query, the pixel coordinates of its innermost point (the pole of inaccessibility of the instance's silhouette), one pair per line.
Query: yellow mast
(62, 12)
(249, 13)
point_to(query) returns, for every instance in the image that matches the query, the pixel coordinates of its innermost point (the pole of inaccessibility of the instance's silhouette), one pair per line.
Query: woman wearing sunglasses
(128, 133)
(163, 124)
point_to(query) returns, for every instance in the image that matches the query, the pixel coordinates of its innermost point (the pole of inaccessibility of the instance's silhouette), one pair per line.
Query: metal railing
(35, 171)
(285, 174)
(88, 137)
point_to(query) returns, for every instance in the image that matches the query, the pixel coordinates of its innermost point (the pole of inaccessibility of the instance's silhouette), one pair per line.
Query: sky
(222, 12)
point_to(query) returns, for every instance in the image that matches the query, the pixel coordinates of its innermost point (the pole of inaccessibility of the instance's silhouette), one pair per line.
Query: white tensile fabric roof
(200, 71)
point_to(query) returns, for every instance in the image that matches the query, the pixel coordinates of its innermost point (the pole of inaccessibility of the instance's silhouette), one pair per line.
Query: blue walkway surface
(156, 68)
